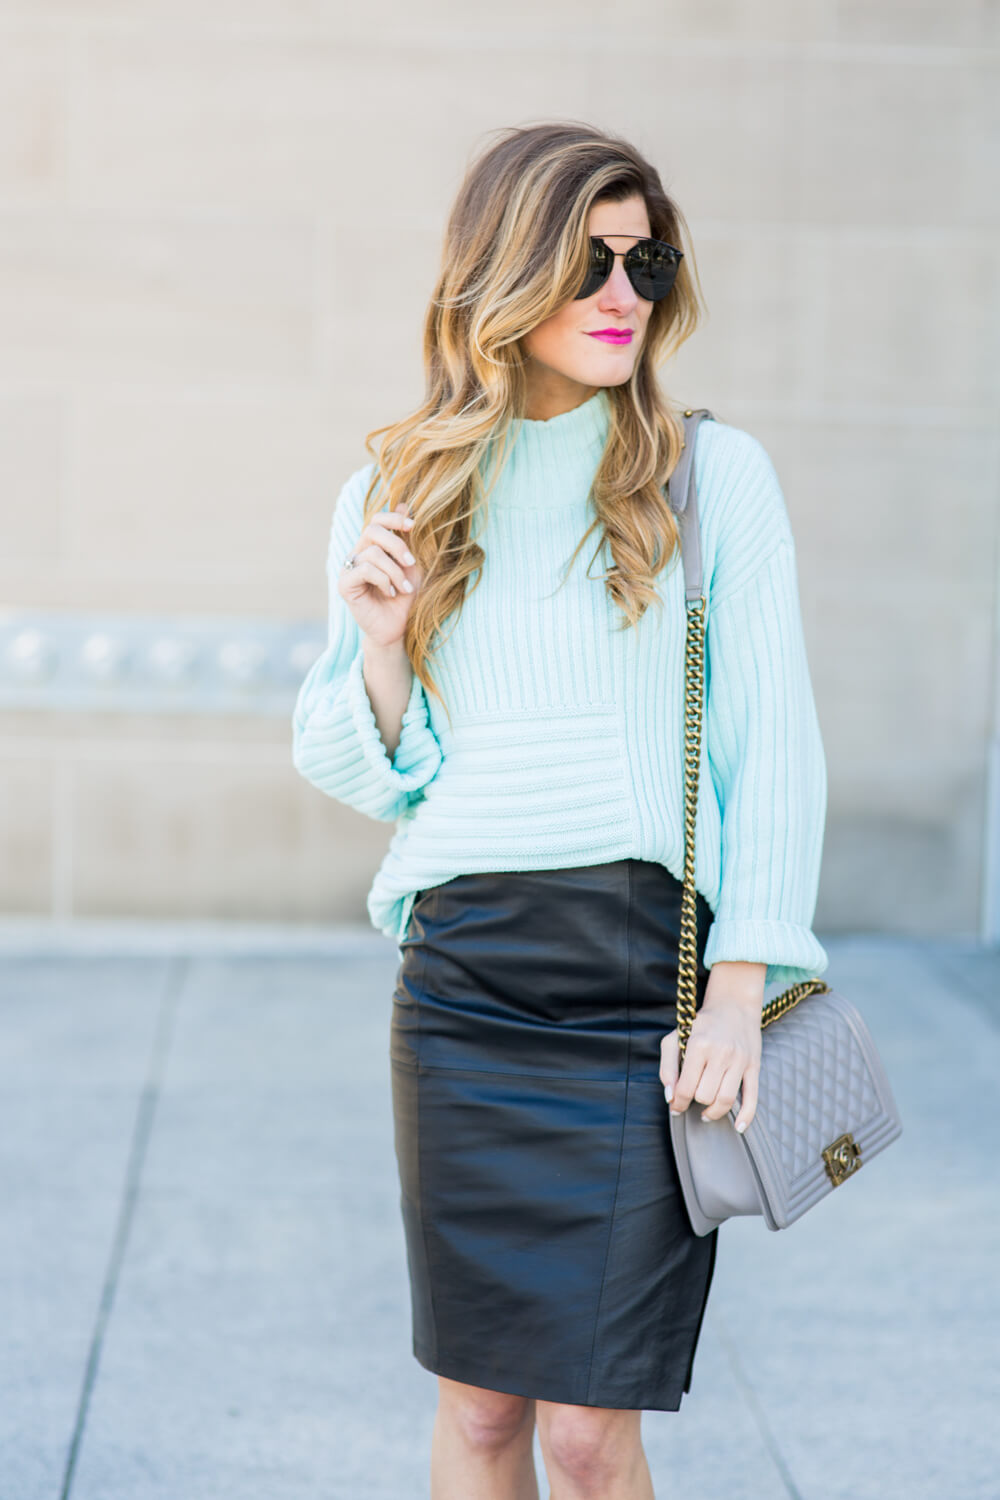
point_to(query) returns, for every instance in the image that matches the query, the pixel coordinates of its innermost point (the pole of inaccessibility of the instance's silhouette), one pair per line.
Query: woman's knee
(590, 1444)
(488, 1420)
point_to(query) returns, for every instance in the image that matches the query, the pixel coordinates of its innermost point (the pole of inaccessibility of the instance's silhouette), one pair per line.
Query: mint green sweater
(566, 740)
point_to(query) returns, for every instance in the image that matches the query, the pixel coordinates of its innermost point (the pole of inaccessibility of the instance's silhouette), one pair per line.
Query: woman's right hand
(381, 588)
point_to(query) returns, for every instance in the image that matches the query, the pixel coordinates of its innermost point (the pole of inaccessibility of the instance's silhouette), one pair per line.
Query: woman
(520, 718)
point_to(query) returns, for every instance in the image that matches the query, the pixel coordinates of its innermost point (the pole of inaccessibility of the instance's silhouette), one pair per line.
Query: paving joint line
(141, 1132)
(757, 1410)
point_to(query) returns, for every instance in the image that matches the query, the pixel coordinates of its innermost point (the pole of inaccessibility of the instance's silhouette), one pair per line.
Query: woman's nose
(618, 290)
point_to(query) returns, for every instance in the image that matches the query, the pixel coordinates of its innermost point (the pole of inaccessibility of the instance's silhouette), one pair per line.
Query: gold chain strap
(694, 688)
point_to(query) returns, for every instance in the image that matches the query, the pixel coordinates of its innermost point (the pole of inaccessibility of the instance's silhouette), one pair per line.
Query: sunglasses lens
(652, 268)
(601, 261)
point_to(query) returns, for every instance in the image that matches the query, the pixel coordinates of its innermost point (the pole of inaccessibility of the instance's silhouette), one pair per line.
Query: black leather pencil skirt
(548, 1247)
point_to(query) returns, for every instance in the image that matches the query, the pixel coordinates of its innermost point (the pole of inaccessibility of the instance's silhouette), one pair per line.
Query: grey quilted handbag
(824, 1105)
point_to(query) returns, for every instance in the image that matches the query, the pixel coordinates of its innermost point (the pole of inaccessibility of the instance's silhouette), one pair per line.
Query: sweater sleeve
(336, 744)
(765, 753)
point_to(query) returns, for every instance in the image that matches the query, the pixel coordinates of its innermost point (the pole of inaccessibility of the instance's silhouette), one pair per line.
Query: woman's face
(566, 363)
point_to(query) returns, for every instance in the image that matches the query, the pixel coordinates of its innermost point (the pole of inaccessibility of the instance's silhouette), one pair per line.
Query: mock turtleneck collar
(552, 463)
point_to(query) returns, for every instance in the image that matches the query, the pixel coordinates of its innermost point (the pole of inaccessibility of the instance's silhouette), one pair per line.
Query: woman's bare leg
(593, 1451)
(481, 1447)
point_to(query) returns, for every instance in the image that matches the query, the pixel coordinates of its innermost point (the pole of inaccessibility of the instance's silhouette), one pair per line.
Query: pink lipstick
(613, 335)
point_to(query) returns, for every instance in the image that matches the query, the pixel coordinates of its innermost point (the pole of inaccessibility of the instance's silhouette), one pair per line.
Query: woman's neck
(552, 395)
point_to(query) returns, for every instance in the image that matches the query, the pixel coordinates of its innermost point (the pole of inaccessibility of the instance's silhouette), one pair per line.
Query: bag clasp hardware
(842, 1157)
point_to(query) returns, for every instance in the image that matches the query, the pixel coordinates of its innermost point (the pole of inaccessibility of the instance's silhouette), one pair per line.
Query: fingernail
(704, 1116)
(408, 557)
(742, 1126)
(668, 1092)
(392, 591)
(676, 1111)
(409, 520)
(408, 586)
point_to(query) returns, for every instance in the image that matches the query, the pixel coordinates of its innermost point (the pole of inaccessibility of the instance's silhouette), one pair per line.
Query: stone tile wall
(193, 343)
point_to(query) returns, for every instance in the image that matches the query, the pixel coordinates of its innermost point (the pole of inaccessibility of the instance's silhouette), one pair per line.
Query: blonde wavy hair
(515, 250)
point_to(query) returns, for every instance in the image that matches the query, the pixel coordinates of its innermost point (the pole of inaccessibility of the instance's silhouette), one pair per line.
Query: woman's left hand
(722, 1055)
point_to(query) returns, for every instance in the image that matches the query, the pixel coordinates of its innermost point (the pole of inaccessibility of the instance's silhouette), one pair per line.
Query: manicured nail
(742, 1126)
(668, 1092)
(392, 591)
(409, 520)
(704, 1116)
(408, 557)
(676, 1111)
(408, 586)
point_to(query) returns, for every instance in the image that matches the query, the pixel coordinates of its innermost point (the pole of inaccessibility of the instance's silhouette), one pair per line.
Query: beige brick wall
(192, 346)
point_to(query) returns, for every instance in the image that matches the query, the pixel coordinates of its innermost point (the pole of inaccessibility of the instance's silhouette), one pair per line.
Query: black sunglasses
(650, 265)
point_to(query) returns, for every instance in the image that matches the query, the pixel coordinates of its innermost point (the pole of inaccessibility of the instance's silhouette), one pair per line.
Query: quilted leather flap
(824, 1078)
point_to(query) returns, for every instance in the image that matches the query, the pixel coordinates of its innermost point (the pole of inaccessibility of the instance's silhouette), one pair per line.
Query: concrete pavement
(203, 1290)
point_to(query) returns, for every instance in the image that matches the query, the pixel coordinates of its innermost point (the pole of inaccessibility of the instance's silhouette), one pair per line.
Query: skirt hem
(543, 1387)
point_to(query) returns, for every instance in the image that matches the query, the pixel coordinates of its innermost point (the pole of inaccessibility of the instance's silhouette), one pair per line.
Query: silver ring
(351, 562)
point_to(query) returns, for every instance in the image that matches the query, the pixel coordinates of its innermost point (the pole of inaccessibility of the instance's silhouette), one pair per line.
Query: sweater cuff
(418, 753)
(791, 952)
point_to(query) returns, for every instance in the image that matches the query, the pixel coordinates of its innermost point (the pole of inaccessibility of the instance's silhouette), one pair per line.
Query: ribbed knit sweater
(565, 745)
